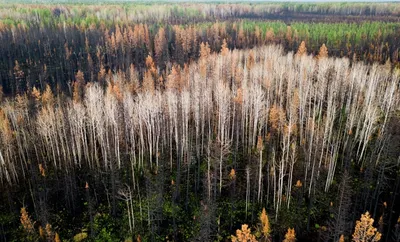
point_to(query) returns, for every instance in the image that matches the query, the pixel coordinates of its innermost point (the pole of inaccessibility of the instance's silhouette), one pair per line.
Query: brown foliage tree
(160, 48)
(269, 35)
(302, 49)
(323, 52)
(78, 84)
(224, 48)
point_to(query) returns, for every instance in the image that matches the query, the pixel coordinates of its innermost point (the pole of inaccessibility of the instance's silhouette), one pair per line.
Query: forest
(207, 121)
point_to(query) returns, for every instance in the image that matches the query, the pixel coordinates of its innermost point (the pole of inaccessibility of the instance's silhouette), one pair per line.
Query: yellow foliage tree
(277, 117)
(265, 229)
(205, 52)
(232, 174)
(47, 96)
(42, 170)
(57, 238)
(80, 237)
(41, 232)
(244, 235)
(26, 221)
(49, 232)
(36, 94)
(365, 231)
(290, 236)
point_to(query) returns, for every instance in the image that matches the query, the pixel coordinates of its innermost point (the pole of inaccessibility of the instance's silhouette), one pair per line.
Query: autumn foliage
(365, 231)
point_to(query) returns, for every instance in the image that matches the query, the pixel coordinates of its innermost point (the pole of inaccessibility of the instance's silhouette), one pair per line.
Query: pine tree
(47, 96)
(243, 235)
(174, 79)
(323, 52)
(36, 94)
(224, 48)
(302, 50)
(57, 238)
(269, 35)
(265, 226)
(78, 86)
(289, 33)
(290, 236)
(160, 48)
(204, 50)
(241, 38)
(365, 231)
(26, 221)
(49, 232)
(204, 54)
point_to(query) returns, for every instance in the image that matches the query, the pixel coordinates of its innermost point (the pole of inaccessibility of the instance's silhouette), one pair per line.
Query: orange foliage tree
(290, 236)
(244, 235)
(323, 52)
(365, 231)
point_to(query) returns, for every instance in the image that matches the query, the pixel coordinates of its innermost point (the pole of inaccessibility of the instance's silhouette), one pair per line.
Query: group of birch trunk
(299, 117)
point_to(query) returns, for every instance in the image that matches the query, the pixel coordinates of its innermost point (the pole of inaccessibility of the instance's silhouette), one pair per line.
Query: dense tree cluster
(199, 122)
(162, 12)
(47, 45)
(259, 126)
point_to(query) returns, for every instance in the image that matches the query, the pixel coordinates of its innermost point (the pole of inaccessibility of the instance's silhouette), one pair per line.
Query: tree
(125, 194)
(241, 37)
(49, 233)
(47, 97)
(149, 76)
(57, 238)
(19, 76)
(289, 34)
(323, 52)
(243, 235)
(270, 36)
(79, 85)
(223, 94)
(290, 236)
(265, 226)
(161, 48)
(204, 55)
(224, 48)
(302, 50)
(26, 221)
(260, 148)
(174, 79)
(365, 231)
(28, 226)
(341, 219)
